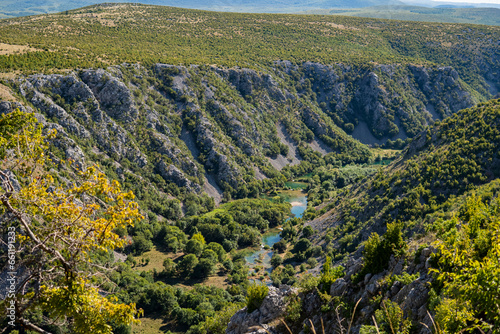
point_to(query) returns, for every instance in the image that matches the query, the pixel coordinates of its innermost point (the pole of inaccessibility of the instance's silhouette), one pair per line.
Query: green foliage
(378, 250)
(390, 320)
(255, 295)
(307, 231)
(217, 324)
(204, 268)
(284, 275)
(276, 260)
(293, 308)
(467, 266)
(280, 246)
(62, 233)
(141, 244)
(136, 42)
(329, 275)
(194, 246)
(188, 263)
(448, 160)
(405, 279)
(302, 245)
(169, 267)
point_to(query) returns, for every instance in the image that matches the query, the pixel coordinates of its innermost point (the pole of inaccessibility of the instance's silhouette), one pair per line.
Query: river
(262, 257)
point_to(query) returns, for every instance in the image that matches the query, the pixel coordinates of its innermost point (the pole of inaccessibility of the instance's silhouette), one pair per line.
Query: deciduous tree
(58, 227)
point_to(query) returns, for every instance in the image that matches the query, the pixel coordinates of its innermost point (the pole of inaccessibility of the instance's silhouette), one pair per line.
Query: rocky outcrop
(173, 174)
(273, 307)
(412, 297)
(442, 89)
(394, 101)
(73, 105)
(247, 82)
(113, 95)
(129, 112)
(7, 107)
(236, 130)
(367, 103)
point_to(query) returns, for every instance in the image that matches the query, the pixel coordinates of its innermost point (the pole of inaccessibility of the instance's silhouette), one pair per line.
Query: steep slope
(389, 77)
(205, 128)
(191, 126)
(447, 181)
(444, 162)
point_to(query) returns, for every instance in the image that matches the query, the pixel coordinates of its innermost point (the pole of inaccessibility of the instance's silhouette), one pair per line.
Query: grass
(6, 94)
(384, 152)
(149, 34)
(156, 259)
(149, 326)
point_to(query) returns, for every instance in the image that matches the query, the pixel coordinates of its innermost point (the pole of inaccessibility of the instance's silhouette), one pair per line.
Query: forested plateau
(207, 117)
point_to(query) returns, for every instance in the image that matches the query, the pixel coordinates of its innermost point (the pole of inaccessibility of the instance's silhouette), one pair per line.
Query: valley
(267, 172)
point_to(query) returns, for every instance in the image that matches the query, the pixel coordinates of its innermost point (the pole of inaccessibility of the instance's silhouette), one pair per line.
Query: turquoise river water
(263, 256)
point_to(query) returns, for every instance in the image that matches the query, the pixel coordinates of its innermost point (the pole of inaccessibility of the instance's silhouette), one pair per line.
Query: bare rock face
(442, 87)
(85, 110)
(131, 112)
(7, 107)
(172, 173)
(273, 307)
(248, 81)
(114, 96)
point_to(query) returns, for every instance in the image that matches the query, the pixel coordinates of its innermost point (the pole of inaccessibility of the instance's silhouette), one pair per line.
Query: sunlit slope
(111, 34)
(448, 160)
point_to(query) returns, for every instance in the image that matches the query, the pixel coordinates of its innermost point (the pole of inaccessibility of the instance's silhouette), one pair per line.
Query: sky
(471, 1)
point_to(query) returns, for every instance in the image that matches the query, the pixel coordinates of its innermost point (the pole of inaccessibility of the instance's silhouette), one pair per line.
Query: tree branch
(28, 325)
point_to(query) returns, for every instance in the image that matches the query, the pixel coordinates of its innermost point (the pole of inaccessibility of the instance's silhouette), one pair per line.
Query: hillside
(446, 161)
(12, 8)
(154, 34)
(384, 81)
(428, 222)
(216, 130)
(488, 16)
(211, 119)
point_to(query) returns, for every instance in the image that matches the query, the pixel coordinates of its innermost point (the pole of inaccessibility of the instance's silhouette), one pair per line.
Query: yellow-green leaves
(469, 269)
(59, 225)
(90, 312)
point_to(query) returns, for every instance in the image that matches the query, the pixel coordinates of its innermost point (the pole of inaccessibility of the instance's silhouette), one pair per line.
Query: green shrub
(391, 319)
(141, 245)
(467, 269)
(329, 275)
(405, 279)
(255, 295)
(276, 260)
(217, 324)
(378, 251)
(293, 309)
(308, 283)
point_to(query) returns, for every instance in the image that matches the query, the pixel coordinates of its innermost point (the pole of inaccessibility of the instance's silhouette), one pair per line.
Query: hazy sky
(472, 1)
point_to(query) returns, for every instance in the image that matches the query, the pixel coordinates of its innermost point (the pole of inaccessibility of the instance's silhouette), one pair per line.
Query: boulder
(272, 308)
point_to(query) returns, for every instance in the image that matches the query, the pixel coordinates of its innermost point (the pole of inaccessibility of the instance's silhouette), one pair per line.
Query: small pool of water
(263, 256)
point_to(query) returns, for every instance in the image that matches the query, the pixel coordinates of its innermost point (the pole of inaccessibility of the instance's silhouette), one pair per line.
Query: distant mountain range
(416, 10)
(488, 16)
(14, 8)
